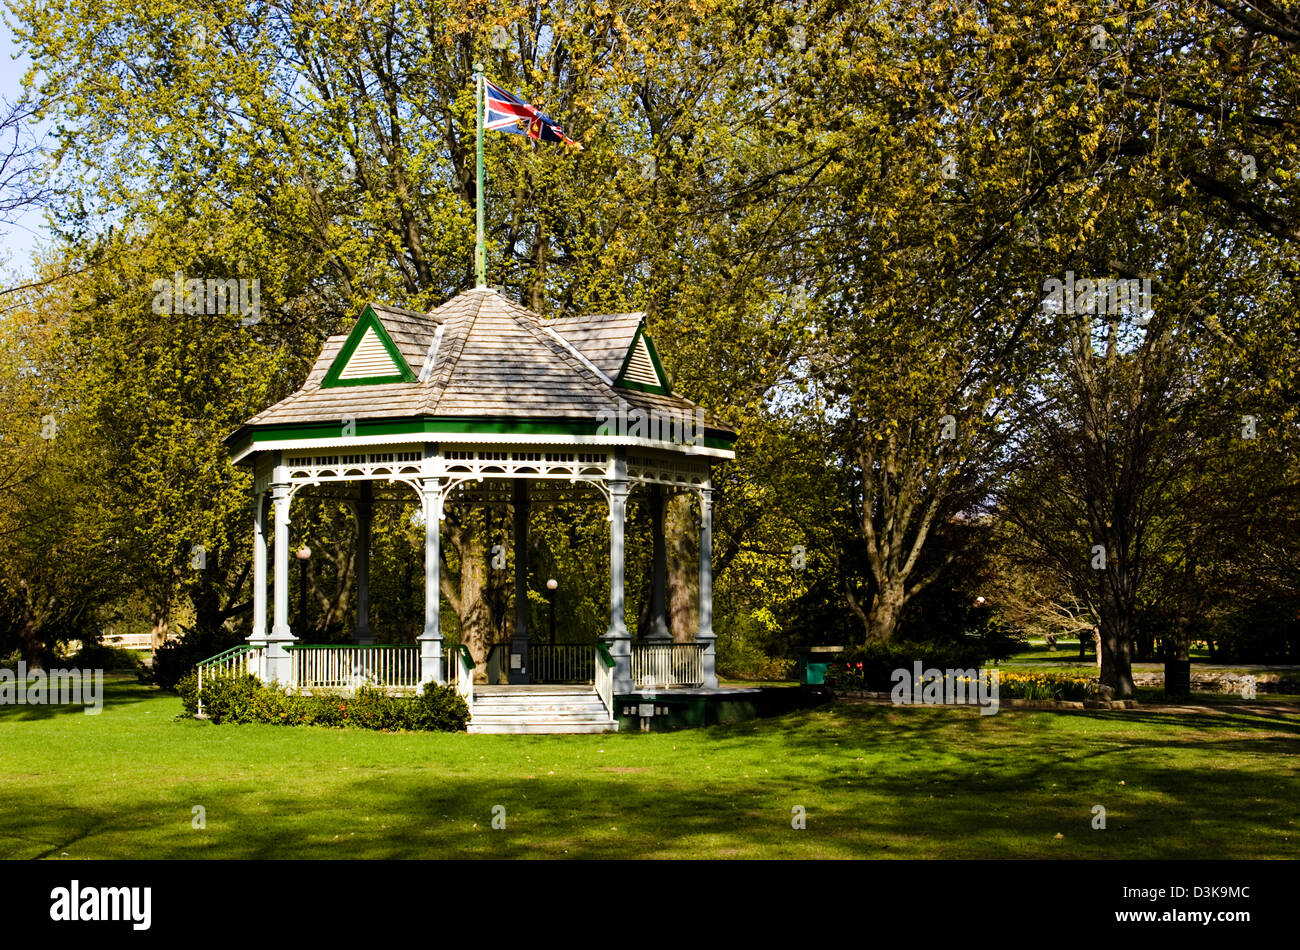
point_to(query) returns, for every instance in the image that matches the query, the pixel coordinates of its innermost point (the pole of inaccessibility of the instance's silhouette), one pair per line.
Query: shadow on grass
(875, 781)
(121, 690)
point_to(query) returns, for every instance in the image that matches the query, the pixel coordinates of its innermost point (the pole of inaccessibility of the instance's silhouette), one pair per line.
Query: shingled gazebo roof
(479, 365)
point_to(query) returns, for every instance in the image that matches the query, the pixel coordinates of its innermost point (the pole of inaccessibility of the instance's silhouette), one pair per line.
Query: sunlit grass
(875, 781)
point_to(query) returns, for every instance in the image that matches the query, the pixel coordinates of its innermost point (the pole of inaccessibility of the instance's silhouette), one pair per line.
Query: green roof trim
(367, 321)
(428, 425)
(662, 389)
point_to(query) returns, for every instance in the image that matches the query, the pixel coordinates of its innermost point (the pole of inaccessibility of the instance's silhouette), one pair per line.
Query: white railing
(465, 676)
(233, 662)
(604, 676)
(667, 664)
(339, 668)
(129, 641)
(562, 662)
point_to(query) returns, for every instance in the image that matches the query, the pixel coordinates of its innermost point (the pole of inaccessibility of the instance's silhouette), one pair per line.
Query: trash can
(814, 662)
(1178, 679)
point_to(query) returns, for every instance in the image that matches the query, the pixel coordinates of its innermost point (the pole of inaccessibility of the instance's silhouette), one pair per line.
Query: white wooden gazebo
(481, 398)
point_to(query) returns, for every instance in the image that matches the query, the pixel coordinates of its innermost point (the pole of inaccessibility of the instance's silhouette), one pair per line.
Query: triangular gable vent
(369, 359)
(368, 356)
(641, 367)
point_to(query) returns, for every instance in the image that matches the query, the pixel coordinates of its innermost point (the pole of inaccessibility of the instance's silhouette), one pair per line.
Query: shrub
(231, 698)
(97, 656)
(871, 667)
(188, 688)
(245, 698)
(754, 665)
(439, 708)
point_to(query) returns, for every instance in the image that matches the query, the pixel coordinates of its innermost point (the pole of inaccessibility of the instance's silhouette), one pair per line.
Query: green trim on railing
(233, 651)
(602, 651)
(353, 646)
(462, 651)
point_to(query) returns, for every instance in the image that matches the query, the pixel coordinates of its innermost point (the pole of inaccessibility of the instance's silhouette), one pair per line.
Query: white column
(257, 639)
(278, 663)
(519, 642)
(620, 641)
(365, 514)
(431, 659)
(706, 637)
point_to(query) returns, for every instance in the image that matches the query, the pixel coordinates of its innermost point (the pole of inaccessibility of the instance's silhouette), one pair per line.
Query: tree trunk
(682, 538)
(160, 621)
(1117, 653)
(479, 593)
(886, 608)
(476, 627)
(32, 645)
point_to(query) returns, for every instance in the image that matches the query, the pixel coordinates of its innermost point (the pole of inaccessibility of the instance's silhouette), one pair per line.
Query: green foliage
(1046, 686)
(187, 686)
(244, 698)
(438, 708)
(1266, 632)
(97, 656)
(740, 658)
(839, 246)
(177, 658)
(871, 667)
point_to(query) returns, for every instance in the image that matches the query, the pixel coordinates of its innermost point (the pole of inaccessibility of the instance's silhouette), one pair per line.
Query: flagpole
(480, 252)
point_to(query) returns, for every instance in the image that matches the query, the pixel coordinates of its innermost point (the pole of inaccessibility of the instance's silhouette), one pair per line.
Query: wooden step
(539, 710)
(540, 727)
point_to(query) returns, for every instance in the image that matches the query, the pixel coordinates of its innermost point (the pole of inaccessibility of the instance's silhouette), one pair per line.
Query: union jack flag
(509, 113)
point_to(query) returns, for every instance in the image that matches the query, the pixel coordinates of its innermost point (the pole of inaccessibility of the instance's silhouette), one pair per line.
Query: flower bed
(1045, 686)
(852, 677)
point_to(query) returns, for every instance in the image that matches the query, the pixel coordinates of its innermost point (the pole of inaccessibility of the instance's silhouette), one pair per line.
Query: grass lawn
(876, 781)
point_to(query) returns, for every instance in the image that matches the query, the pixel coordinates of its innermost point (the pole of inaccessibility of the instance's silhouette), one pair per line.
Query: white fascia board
(486, 438)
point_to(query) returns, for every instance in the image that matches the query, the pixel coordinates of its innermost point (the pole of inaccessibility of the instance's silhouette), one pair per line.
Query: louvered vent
(369, 359)
(640, 369)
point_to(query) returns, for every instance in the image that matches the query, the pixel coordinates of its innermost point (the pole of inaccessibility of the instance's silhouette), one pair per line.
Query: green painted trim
(233, 651)
(654, 358)
(366, 321)
(463, 652)
(643, 387)
(662, 389)
(365, 381)
(602, 651)
(432, 425)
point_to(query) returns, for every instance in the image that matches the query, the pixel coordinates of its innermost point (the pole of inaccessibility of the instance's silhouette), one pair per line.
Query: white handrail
(231, 663)
(465, 677)
(604, 679)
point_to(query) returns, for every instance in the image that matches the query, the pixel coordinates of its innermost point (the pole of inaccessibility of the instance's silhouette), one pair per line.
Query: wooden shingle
(493, 359)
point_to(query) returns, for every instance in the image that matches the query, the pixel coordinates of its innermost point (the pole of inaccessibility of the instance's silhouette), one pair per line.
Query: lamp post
(550, 596)
(303, 554)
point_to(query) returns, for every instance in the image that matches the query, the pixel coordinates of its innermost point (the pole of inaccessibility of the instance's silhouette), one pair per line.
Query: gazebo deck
(572, 699)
